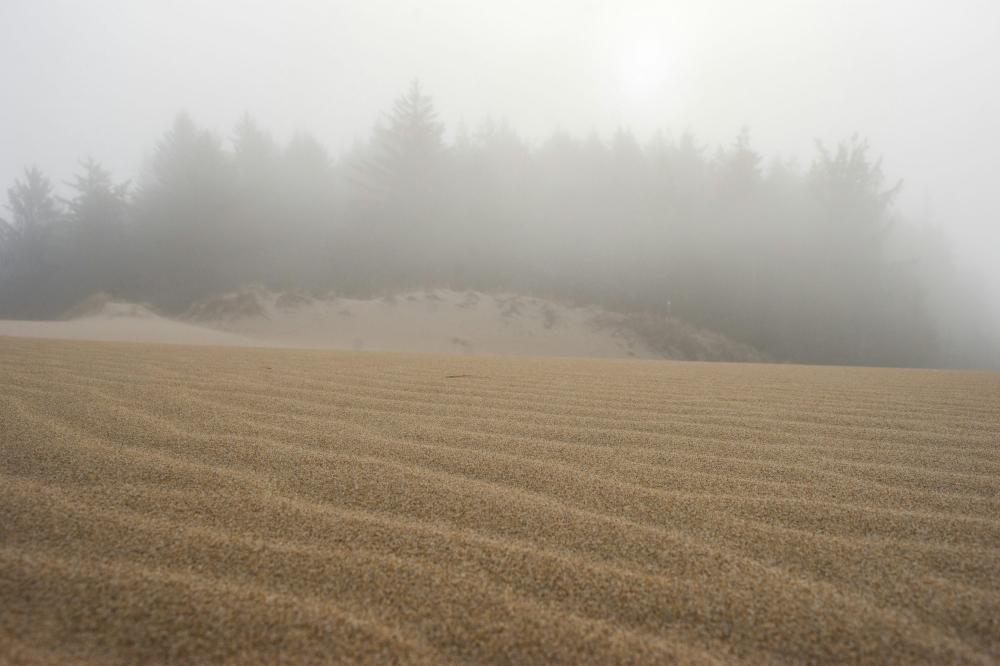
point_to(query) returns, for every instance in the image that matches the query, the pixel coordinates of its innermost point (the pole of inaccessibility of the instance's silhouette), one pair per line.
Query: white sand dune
(436, 321)
(440, 321)
(120, 323)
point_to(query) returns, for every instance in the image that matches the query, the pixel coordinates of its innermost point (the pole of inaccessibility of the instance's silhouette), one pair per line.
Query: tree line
(807, 265)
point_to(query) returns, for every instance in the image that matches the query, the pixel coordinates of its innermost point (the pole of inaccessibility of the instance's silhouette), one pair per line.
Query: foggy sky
(919, 79)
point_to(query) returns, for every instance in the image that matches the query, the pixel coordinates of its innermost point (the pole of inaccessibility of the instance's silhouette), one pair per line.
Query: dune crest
(465, 322)
(102, 318)
(428, 320)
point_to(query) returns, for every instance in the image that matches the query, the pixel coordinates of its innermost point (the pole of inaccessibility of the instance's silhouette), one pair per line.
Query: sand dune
(435, 321)
(124, 322)
(448, 321)
(171, 503)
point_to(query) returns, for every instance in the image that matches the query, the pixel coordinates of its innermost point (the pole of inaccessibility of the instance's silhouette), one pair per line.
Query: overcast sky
(920, 79)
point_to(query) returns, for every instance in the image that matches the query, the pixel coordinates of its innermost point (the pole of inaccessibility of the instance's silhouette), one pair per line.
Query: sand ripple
(168, 503)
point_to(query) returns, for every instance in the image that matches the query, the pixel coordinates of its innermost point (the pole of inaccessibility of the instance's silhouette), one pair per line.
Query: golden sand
(193, 504)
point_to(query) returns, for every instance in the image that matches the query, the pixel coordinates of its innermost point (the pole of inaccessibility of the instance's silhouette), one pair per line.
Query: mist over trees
(807, 265)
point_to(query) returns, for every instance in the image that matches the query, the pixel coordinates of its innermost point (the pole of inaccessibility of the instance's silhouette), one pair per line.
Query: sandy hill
(469, 322)
(102, 318)
(439, 320)
(171, 504)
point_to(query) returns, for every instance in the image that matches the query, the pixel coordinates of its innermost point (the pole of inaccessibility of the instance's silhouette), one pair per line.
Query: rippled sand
(169, 503)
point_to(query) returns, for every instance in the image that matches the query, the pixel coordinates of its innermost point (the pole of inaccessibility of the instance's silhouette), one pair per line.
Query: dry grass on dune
(167, 503)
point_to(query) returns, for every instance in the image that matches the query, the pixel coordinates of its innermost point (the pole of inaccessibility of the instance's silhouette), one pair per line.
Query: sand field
(168, 503)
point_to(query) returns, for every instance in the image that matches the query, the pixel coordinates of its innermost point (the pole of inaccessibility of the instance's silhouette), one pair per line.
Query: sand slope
(436, 321)
(123, 322)
(465, 322)
(166, 503)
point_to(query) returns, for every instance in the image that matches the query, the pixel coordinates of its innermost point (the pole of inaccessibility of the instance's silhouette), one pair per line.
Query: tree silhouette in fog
(407, 145)
(402, 180)
(34, 212)
(806, 265)
(29, 247)
(184, 204)
(96, 219)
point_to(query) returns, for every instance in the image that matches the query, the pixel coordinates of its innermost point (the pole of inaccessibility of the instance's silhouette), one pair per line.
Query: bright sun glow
(644, 69)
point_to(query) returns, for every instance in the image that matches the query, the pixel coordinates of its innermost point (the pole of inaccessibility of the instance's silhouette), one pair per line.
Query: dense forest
(806, 264)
